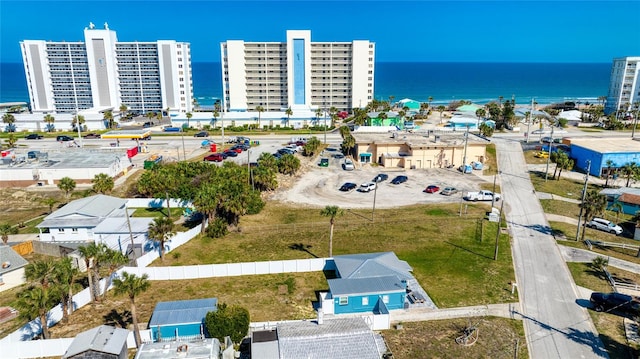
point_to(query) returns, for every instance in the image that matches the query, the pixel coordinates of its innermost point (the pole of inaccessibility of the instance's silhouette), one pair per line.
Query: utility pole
(493, 199)
(325, 128)
(546, 173)
(375, 191)
(584, 194)
(495, 253)
(133, 251)
(530, 119)
(464, 156)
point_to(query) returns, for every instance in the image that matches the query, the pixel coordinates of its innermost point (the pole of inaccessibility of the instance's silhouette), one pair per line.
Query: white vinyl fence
(176, 241)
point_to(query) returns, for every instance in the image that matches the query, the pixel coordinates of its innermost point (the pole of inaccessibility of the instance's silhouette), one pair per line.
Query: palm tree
(617, 208)
(5, 230)
(90, 253)
(430, 99)
(609, 164)
(318, 114)
(206, 202)
(288, 164)
(34, 302)
(112, 259)
(594, 204)
(188, 115)
(348, 143)
(123, 110)
(11, 140)
(78, 120)
(49, 120)
(67, 185)
(259, 109)
(49, 202)
(332, 212)
(150, 115)
(108, 117)
(9, 119)
(161, 229)
(132, 286)
(102, 183)
(39, 272)
(289, 113)
(382, 116)
(630, 169)
(64, 277)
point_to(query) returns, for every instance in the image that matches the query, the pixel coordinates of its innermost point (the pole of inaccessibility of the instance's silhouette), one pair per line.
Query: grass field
(563, 187)
(446, 251)
(497, 338)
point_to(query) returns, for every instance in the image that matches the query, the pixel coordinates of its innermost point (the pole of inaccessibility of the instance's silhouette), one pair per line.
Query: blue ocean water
(444, 82)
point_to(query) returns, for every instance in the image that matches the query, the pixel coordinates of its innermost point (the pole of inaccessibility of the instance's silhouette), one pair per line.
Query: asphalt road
(555, 325)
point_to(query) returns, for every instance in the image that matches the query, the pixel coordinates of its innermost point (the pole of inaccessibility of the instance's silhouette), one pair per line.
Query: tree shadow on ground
(194, 220)
(118, 319)
(302, 248)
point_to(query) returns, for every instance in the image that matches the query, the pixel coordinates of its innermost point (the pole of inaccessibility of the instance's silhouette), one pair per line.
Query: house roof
(10, 260)
(335, 338)
(84, 212)
(182, 311)
(390, 114)
(104, 339)
(629, 198)
(468, 108)
(373, 285)
(196, 349)
(120, 225)
(368, 265)
(620, 191)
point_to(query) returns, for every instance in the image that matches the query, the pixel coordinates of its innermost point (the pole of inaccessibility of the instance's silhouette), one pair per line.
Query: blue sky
(420, 31)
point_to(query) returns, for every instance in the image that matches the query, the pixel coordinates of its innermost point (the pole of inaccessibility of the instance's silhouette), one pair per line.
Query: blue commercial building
(183, 319)
(599, 151)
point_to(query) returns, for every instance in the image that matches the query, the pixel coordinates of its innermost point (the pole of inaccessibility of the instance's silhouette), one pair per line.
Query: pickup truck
(481, 196)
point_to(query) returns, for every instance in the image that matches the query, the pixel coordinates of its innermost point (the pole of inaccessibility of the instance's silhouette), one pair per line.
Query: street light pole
(493, 199)
(464, 156)
(375, 191)
(584, 194)
(495, 253)
(529, 122)
(325, 127)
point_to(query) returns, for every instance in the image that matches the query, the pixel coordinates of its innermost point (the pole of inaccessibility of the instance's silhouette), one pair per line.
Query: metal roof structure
(194, 349)
(85, 212)
(363, 286)
(334, 338)
(10, 260)
(608, 145)
(182, 311)
(119, 225)
(103, 339)
(127, 134)
(368, 265)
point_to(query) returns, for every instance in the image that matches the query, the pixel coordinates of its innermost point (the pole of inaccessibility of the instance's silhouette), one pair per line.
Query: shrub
(230, 321)
(217, 229)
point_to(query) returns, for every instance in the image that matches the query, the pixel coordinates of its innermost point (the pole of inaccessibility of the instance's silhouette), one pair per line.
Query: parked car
(231, 153)
(64, 138)
(147, 124)
(380, 177)
(277, 155)
(215, 157)
(547, 139)
(348, 165)
(236, 149)
(616, 302)
(367, 187)
(324, 162)
(349, 186)
(431, 189)
(605, 225)
(541, 154)
(448, 191)
(33, 136)
(399, 179)
(338, 156)
(92, 135)
(202, 134)
(286, 151)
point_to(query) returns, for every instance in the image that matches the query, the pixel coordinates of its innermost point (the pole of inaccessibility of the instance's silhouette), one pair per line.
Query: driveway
(555, 325)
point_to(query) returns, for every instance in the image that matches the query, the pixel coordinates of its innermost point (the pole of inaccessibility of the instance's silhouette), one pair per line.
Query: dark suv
(615, 302)
(63, 138)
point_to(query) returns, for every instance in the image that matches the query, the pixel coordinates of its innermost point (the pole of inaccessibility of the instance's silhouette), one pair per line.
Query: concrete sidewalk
(571, 254)
(505, 310)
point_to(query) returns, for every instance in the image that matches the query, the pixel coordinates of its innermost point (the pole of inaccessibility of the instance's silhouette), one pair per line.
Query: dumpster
(152, 162)
(132, 151)
(213, 147)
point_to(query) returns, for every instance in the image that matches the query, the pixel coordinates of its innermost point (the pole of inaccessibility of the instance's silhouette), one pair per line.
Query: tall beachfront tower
(624, 87)
(297, 74)
(102, 74)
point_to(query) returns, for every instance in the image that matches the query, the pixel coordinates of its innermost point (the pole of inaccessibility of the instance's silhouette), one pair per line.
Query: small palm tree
(188, 115)
(594, 204)
(108, 117)
(102, 183)
(289, 113)
(332, 212)
(9, 119)
(441, 109)
(78, 120)
(67, 185)
(5, 230)
(260, 109)
(161, 229)
(49, 120)
(617, 208)
(609, 164)
(132, 286)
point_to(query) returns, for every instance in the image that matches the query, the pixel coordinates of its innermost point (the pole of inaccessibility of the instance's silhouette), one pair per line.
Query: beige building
(410, 150)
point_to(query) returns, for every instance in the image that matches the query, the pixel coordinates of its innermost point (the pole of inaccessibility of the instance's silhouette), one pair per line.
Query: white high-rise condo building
(102, 74)
(297, 74)
(624, 87)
